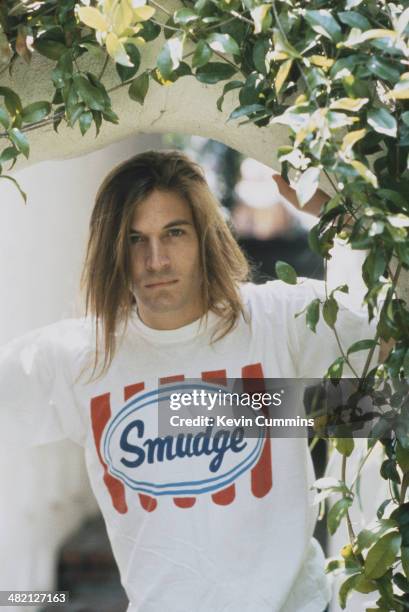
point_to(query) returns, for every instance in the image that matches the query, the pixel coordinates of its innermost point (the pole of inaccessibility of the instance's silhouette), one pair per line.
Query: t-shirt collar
(181, 334)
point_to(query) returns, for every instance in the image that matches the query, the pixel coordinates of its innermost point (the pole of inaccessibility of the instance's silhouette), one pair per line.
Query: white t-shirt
(186, 537)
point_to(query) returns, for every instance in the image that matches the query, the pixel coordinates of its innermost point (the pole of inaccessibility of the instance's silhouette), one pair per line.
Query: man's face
(165, 261)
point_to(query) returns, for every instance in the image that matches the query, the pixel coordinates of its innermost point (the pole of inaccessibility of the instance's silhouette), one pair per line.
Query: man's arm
(313, 207)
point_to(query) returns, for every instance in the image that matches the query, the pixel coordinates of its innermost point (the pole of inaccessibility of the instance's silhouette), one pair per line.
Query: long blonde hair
(106, 277)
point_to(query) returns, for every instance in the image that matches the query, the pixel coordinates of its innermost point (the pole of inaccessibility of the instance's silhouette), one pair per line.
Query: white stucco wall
(45, 492)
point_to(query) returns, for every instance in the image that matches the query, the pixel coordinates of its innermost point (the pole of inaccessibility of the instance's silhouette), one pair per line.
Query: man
(194, 525)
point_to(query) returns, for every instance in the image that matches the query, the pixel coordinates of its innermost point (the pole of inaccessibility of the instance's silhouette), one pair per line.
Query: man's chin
(161, 304)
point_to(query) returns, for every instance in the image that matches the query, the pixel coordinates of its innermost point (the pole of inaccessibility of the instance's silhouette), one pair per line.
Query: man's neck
(169, 320)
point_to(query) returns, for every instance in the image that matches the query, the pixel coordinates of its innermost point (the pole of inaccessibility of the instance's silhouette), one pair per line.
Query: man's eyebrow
(174, 223)
(177, 222)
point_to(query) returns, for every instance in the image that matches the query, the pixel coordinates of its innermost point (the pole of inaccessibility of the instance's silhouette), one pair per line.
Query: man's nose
(157, 257)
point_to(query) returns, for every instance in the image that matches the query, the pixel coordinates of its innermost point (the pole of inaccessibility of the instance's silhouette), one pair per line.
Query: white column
(44, 492)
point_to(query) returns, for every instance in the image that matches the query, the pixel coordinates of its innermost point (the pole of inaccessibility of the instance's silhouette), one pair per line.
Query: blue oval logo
(183, 464)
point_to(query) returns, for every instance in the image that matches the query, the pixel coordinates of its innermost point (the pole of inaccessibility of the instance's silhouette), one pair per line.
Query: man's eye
(175, 232)
(134, 238)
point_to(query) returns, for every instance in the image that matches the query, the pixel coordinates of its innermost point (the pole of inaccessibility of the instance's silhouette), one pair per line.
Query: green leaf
(349, 104)
(58, 117)
(249, 109)
(354, 20)
(213, 72)
(223, 43)
(404, 551)
(65, 65)
(336, 514)
(313, 314)
(15, 183)
(228, 87)
(91, 95)
(382, 122)
(98, 84)
(401, 515)
(330, 311)
(92, 18)
(20, 141)
(382, 555)
(307, 185)
(202, 54)
(314, 239)
(381, 510)
(364, 171)
(389, 471)
(336, 368)
(139, 88)
(261, 16)
(324, 23)
(70, 98)
(364, 585)
(403, 21)
(170, 56)
(85, 121)
(402, 457)
(373, 266)
(344, 446)
(368, 537)
(259, 55)
(35, 112)
(11, 100)
(125, 72)
(342, 288)
(184, 16)
(7, 154)
(4, 118)
(50, 48)
(282, 75)
(361, 345)
(283, 47)
(183, 70)
(94, 51)
(149, 31)
(286, 273)
(74, 113)
(401, 582)
(97, 116)
(356, 37)
(383, 69)
(346, 588)
(334, 564)
(110, 116)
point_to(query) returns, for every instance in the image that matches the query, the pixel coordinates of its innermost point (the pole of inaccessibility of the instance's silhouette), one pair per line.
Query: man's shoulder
(275, 293)
(70, 334)
(65, 344)
(67, 336)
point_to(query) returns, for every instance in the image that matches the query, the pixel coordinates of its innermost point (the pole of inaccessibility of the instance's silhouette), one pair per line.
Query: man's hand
(313, 207)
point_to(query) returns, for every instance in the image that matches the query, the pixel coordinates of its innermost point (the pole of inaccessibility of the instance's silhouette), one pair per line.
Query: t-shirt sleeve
(37, 400)
(313, 352)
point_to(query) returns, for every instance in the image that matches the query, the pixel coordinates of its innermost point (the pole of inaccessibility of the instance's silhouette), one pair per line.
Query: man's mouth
(160, 284)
